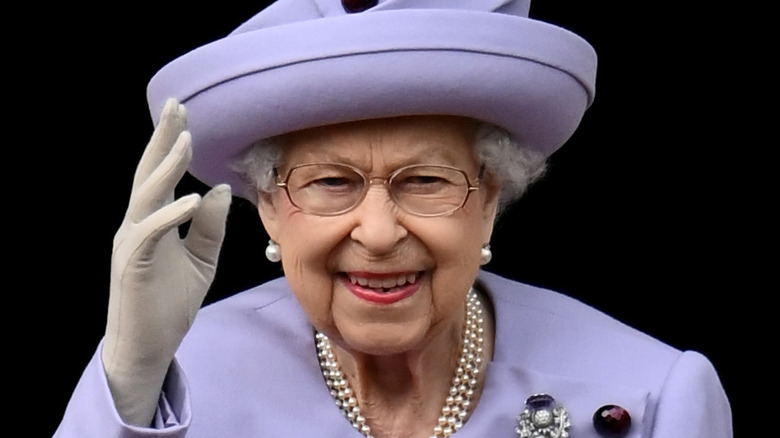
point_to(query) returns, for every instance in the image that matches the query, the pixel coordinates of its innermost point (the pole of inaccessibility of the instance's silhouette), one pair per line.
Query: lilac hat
(304, 63)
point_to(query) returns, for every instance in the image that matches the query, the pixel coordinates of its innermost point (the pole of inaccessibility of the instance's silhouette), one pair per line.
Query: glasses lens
(429, 190)
(325, 189)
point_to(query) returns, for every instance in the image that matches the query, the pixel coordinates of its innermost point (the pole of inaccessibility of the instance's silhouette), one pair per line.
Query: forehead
(385, 142)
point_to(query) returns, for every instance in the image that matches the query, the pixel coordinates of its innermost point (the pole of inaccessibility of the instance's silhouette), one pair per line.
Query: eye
(423, 180)
(327, 180)
(334, 182)
(421, 183)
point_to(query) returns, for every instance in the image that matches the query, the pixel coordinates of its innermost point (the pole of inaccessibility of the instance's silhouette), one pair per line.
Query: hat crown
(291, 11)
(303, 63)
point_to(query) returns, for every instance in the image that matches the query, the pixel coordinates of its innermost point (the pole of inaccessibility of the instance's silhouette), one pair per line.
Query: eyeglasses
(330, 189)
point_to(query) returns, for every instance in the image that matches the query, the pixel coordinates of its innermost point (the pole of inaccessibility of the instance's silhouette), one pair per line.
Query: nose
(376, 221)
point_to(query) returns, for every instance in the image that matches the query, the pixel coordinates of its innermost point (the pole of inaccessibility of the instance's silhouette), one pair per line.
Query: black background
(640, 214)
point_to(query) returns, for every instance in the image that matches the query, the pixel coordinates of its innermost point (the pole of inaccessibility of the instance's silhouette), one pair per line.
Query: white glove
(159, 280)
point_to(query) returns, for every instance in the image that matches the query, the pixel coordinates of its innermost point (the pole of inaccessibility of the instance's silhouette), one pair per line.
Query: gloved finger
(157, 189)
(165, 220)
(207, 230)
(173, 120)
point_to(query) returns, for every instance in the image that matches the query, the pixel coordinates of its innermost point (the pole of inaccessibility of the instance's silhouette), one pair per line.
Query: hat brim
(534, 79)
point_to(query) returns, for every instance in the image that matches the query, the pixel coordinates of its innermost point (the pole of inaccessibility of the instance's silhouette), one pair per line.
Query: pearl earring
(486, 254)
(273, 252)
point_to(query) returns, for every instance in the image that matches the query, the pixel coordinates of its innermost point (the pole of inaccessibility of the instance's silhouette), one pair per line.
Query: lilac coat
(248, 369)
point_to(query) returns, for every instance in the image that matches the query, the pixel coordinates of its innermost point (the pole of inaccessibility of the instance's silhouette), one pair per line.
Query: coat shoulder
(544, 328)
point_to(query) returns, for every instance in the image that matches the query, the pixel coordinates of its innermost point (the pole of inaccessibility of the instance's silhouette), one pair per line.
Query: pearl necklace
(458, 400)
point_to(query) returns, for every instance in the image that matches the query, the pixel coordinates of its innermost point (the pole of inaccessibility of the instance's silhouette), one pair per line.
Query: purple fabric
(248, 368)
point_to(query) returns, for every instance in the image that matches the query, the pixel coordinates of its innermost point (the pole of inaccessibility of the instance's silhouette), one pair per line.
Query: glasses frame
(386, 181)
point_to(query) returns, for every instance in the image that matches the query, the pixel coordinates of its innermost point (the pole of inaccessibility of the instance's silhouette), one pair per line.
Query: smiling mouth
(385, 284)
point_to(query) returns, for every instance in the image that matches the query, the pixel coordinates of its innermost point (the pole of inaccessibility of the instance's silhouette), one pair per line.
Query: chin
(383, 339)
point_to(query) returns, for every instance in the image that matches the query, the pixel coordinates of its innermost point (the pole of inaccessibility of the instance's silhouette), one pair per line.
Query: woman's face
(377, 279)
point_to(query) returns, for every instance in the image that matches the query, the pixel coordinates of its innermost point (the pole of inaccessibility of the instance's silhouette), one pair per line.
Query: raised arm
(158, 279)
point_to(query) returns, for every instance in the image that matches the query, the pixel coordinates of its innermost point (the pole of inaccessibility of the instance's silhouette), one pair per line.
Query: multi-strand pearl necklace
(458, 401)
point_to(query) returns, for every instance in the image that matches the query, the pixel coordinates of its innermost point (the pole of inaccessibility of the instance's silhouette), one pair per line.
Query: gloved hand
(158, 279)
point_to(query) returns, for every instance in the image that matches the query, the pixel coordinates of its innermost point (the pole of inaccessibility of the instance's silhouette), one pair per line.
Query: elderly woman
(380, 142)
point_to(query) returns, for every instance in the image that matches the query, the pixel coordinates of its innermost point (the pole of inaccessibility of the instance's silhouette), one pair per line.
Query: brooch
(543, 417)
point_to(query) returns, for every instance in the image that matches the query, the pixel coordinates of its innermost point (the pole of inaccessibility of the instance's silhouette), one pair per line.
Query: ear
(269, 213)
(489, 209)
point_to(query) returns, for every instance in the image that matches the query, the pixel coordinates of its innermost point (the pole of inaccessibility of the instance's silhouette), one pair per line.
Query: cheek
(309, 280)
(308, 244)
(305, 241)
(456, 248)
(462, 239)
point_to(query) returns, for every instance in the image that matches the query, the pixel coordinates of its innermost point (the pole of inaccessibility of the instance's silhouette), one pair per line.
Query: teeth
(386, 283)
(376, 283)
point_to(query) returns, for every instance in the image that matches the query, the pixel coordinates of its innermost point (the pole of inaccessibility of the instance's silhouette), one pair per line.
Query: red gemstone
(353, 6)
(612, 420)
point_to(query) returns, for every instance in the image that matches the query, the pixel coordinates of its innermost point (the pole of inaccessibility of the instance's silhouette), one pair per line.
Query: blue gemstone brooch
(543, 417)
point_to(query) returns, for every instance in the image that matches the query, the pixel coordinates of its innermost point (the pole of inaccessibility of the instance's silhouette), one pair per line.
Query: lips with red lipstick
(384, 288)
